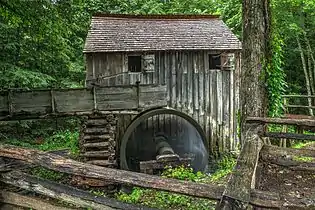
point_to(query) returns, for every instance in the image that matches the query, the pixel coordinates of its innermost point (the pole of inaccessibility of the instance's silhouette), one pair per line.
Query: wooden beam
(299, 106)
(298, 96)
(282, 121)
(289, 136)
(58, 163)
(27, 201)
(295, 159)
(280, 151)
(68, 114)
(62, 192)
(30, 104)
(237, 194)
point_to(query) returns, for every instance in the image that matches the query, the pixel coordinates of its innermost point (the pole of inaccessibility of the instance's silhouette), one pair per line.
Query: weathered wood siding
(54, 101)
(209, 96)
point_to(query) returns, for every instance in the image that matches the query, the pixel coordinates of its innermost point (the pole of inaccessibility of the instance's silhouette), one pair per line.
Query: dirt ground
(297, 186)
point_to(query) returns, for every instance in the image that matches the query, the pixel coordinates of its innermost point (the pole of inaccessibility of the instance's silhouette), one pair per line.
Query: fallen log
(16, 199)
(58, 163)
(62, 192)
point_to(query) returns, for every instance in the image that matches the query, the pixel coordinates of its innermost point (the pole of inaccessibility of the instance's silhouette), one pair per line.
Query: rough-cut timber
(64, 165)
(62, 192)
(281, 121)
(295, 159)
(27, 201)
(57, 163)
(237, 194)
(98, 140)
(19, 104)
(289, 136)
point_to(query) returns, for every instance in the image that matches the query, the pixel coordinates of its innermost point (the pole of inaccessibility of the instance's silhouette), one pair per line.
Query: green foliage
(303, 158)
(48, 174)
(59, 140)
(276, 84)
(62, 140)
(167, 200)
(183, 173)
(225, 166)
(292, 18)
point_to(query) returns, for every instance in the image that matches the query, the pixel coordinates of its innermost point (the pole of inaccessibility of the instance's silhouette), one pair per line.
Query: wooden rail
(300, 123)
(309, 105)
(28, 104)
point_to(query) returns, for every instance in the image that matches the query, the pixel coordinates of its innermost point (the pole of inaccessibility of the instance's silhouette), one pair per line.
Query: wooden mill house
(196, 56)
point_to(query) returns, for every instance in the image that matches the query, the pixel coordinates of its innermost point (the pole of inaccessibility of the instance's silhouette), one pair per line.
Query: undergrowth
(49, 137)
(58, 141)
(166, 200)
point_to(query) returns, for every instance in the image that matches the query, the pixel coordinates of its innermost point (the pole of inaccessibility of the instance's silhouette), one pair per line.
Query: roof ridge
(158, 16)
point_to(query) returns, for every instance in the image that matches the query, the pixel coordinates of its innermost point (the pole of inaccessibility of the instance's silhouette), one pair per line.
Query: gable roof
(112, 33)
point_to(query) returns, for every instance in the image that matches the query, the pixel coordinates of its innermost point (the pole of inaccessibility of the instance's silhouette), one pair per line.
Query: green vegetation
(48, 174)
(303, 158)
(225, 166)
(45, 139)
(300, 145)
(167, 200)
(58, 141)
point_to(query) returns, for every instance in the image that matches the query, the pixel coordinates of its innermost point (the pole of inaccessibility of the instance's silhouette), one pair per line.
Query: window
(214, 61)
(134, 63)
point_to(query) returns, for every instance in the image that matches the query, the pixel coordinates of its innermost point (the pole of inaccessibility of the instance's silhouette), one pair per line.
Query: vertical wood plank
(226, 110)
(190, 70)
(219, 110)
(179, 72)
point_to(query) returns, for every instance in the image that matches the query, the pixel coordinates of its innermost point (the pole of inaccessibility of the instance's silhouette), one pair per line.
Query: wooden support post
(10, 106)
(53, 107)
(237, 194)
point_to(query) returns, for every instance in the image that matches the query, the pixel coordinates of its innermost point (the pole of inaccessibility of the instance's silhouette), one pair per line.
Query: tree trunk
(307, 79)
(256, 51)
(311, 60)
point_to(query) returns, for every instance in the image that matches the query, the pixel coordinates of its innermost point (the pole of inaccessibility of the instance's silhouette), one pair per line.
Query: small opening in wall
(214, 61)
(134, 63)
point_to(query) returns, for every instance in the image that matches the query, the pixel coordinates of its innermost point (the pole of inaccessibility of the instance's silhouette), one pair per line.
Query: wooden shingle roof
(112, 33)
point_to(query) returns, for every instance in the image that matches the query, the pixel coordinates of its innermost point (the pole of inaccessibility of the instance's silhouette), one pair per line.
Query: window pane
(134, 63)
(214, 61)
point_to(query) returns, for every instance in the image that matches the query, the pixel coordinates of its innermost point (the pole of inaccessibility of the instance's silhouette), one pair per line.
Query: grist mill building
(196, 56)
